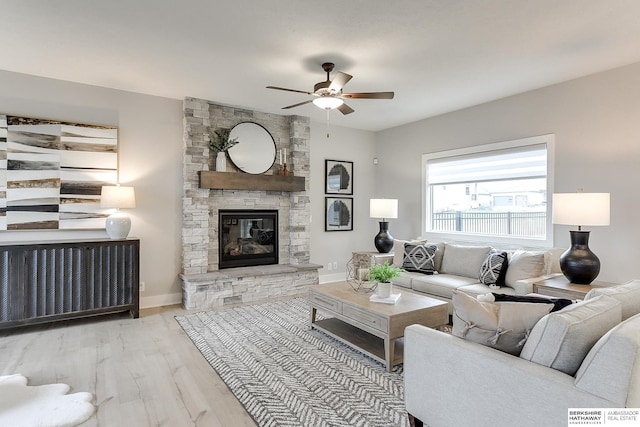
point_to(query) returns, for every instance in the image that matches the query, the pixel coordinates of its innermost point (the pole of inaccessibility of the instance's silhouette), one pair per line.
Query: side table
(560, 287)
(365, 259)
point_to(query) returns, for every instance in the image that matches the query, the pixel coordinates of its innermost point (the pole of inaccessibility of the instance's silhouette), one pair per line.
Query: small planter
(384, 289)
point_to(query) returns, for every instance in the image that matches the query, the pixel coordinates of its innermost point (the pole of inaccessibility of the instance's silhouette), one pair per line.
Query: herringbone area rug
(287, 375)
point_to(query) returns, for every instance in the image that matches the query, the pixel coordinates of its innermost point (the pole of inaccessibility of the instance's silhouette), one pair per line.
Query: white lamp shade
(581, 208)
(328, 102)
(383, 208)
(117, 197)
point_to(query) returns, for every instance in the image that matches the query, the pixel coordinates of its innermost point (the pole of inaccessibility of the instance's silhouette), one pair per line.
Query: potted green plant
(220, 142)
(382, 274)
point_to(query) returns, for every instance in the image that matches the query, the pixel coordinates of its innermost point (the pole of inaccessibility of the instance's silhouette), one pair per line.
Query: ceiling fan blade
(339, 80)
(289, 90)
(297, 105)
(345, 109)
(368, 95)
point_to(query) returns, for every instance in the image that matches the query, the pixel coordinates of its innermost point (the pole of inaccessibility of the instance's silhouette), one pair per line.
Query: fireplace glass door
(247, 238)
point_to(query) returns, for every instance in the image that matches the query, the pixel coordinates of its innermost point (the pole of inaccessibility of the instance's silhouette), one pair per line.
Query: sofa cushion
(501, 325)
(441, 285)
(524, 265)
(628, 294)
(419, 258)
(463, 260)
(404, 279)
(611, 365)
(494, 268)
(562, 339)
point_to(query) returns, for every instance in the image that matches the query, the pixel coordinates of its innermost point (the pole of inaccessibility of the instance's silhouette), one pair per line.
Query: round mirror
(255, 151)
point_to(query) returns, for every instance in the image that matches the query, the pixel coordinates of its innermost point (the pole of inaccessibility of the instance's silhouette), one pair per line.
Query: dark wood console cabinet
(45, 282)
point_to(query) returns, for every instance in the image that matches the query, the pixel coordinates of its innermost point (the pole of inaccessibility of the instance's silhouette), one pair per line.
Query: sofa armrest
(450, 381)
(525, 286)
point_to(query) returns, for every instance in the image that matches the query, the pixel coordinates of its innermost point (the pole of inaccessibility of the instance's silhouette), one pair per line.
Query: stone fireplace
(207, 283)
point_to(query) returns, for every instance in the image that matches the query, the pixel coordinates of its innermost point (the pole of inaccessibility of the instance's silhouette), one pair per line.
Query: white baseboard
(161, 300)
(329, 278)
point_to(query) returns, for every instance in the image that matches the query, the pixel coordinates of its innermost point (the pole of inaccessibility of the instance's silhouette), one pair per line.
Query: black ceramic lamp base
(383, 240)
(578, 263)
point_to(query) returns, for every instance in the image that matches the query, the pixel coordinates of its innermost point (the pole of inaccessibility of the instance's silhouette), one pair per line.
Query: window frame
(505, 241)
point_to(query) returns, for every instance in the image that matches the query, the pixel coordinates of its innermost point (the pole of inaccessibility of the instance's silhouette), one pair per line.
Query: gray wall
(358, 147)
(150, 153)
(596, 121)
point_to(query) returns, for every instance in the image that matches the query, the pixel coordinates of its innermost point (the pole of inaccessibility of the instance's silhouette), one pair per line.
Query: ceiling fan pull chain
(328, 123)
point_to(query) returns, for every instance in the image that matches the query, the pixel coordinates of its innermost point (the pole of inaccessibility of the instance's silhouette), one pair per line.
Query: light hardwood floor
(142, 372)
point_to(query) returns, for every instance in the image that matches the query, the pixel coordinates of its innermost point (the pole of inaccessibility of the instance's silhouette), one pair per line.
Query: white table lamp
(118, 224)
(383, 208)
(579, 264)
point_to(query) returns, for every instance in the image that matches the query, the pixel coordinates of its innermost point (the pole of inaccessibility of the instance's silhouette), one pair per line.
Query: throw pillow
(628, 295)
(494, 268)
(561, 340)
(558, 303)
(419, 258)
(398, 250)
(501, 325)
(463, 260)
(524, 265)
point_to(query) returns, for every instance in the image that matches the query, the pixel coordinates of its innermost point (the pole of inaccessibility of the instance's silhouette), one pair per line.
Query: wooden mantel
(245, 181)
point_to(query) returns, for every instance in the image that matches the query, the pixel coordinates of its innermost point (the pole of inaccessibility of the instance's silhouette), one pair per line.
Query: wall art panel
(51, 173)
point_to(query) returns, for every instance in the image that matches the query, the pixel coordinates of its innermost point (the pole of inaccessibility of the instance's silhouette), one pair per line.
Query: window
(494, 192)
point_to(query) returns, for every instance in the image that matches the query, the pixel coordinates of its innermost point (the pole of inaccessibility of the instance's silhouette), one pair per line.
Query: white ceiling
(437, 55)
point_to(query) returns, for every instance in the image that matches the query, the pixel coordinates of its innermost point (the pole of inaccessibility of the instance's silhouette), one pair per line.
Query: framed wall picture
(338, 213)
(338, 177)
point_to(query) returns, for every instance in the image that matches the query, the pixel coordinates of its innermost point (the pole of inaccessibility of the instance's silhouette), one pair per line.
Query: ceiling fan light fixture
(328, 102)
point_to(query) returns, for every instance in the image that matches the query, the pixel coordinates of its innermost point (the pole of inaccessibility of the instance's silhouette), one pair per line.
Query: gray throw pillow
(524, 265)
(504, 326)
(419, 258)
(462, 260)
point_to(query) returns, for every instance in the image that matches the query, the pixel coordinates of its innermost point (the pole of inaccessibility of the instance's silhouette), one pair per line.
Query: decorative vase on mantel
(221, 161)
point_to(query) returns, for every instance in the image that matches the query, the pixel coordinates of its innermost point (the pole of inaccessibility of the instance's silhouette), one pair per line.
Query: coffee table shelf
(362, 341)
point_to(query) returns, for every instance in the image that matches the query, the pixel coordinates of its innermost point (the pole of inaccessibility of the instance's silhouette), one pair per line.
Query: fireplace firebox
(247, 238)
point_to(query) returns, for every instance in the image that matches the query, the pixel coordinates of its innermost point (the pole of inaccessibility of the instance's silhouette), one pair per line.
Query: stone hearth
(204, 285)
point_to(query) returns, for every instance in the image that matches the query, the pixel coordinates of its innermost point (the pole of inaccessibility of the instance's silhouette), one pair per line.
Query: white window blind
(509, 163)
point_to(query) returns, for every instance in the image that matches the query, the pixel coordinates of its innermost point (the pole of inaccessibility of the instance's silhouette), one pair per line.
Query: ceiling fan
(328, 94)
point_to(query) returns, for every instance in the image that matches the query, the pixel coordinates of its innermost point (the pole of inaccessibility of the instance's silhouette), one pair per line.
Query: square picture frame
(338, 213)
(338, 177)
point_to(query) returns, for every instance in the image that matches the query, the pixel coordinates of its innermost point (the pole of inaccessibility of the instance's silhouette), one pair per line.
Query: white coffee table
(371, 327)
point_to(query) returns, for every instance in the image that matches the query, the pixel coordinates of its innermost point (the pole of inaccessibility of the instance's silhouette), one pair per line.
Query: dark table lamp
(383, 209)
(578, 263)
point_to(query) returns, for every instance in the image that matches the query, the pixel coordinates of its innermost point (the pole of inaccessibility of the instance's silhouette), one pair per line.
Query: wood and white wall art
(51, 173)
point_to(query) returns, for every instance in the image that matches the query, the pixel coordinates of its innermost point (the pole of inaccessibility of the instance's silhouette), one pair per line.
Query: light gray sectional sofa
(586, 355)
(457, 267)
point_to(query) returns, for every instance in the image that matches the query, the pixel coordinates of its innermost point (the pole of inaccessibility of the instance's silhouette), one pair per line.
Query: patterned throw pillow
(419, 258)
(494, 268)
